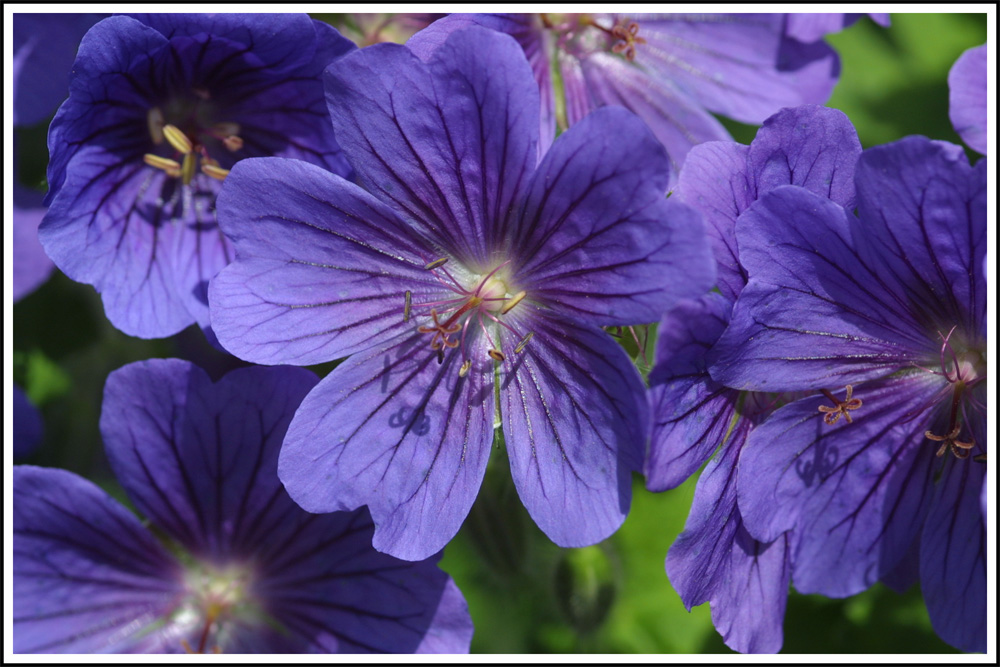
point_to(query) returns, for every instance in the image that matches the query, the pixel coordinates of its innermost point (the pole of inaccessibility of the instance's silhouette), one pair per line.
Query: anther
(436, 263)
(406, 306)
(233, 143)
(523, 343)
(496, 355)
(188, 168)
(464, 370)
(979, 458)
(177, 139)
(154, 120)
(172, 167)
(513, 301)
(440, 356)
(831, 415)
(214, 171)
(226, 128)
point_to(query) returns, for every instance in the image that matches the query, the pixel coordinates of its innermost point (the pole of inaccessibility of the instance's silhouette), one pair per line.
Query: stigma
(190, 143)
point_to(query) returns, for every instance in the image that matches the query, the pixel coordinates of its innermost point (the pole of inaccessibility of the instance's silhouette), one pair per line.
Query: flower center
(481, 300)
(186, 132)
(215, 595)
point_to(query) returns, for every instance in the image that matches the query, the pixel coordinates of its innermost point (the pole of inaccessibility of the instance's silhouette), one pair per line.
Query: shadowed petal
(31, 265)
(322, 266)
(953, 556)
(855, 493)
(27, 431)
(967, 97)
(692, 415)
(87, 575)
(575, 422)
(715, 560)
(600, 241)
(815, 313)
(447, 142)
(396, 430)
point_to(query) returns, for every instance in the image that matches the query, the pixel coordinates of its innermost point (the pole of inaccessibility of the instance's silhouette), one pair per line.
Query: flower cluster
(457, 228)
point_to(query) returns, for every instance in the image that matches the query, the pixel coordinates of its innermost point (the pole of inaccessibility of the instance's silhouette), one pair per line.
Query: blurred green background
(524, 593)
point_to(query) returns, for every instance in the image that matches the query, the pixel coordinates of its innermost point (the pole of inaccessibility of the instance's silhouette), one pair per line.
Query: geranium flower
(672, 70)
(230, 563)
(715, 560)
(469, 282)
(967, 97)
(160, 108)
(882, 318)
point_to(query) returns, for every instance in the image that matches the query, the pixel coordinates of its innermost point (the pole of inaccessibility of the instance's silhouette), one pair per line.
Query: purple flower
(469, 282)
(160, 108)
(881, 318)
(672, 70)
(815, 26)
(231, 564)
(967, 97)
(715, 560)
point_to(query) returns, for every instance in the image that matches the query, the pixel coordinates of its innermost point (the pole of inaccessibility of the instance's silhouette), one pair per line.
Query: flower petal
(322, 267)
(856, 494)
(967, 97)
(449, 142)
(88, 577)
(692, 415)
(601, 241)
(31, 265)
(715, 560)
(575, 422)
(396, 430)
(815, 312)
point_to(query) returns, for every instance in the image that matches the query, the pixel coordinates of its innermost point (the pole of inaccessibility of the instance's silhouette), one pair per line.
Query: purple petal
(321, 266)
(27, 424)
(88, 577)
(856, 494)
(600, 240)
(967, 97)
(923, 210)
(447, 142)
(167, 431)
(692, 415)
(953, 556)
(815, 313)
(575, 423)
(814, 26)
(32, 266)
(396, 430)
(715, 560)
(44, 49)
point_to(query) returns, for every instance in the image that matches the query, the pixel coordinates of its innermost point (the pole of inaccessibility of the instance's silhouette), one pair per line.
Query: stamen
(496, 354)
(226, 128)
(172, 167)
(154, 120)
(464, 370)
(213, 171)
(188, 168)
(177, 139)
(233, 143)
(514, 300)
(524, 341)
(979, 458)
(840, 407)
(406, 305)
(436, 263)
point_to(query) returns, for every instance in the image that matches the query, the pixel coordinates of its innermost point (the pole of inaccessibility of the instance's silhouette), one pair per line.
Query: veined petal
(953, 556)
(815, 312)
(448, 142)
(396, 430)
(600, 241)
(967, 97)
(575, 423)
(88, 577)
(923, 214)
(322, 267)
(169, 434)
(715, 560)
(691, 414)
(855, 493)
